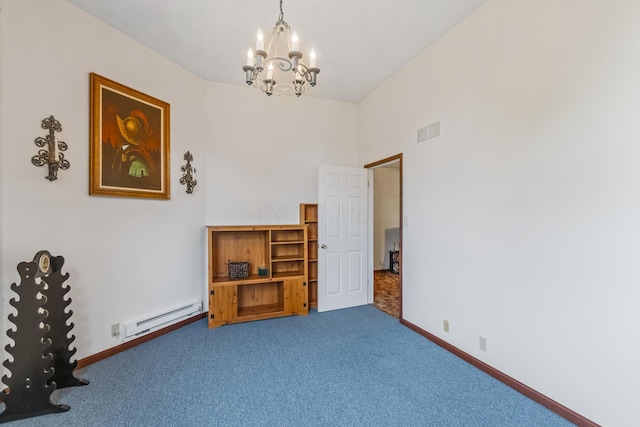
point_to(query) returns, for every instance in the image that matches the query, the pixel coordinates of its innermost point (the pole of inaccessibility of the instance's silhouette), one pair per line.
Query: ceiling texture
(359, 43)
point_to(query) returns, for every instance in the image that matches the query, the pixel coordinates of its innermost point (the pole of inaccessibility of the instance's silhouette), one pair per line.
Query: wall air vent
(429, 132)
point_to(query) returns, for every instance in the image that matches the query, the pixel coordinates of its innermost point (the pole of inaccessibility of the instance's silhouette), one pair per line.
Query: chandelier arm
(283, 64)
(305, 72)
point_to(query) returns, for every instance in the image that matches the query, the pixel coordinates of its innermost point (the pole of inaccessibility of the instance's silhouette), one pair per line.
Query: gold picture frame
(129, 146)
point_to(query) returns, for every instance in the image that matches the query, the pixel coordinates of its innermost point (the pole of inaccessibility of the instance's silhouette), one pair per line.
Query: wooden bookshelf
(280, 251)
(309, 217)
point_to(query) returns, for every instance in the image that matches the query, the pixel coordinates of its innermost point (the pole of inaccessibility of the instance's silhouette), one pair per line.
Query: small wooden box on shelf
(309, 217)
(277, 281)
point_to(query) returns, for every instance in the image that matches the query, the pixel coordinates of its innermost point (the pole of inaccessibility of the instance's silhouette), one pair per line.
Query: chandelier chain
(281, 17)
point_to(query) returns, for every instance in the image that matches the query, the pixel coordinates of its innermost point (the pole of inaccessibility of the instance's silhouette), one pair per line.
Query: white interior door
(342, 237)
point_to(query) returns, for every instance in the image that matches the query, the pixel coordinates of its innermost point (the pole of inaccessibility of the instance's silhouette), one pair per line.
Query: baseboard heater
(161, 320)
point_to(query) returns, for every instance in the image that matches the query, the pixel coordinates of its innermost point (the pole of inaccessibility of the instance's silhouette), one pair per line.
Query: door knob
(323, 246)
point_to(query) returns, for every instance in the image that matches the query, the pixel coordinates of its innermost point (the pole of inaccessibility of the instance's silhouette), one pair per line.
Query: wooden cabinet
(276, 284)
(309, 217)
(223, 304)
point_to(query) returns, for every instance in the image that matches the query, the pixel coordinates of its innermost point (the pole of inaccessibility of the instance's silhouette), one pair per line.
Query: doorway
(385, 231)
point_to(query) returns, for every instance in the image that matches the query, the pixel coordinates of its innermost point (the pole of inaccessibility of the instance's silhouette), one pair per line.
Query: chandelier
(264, 65)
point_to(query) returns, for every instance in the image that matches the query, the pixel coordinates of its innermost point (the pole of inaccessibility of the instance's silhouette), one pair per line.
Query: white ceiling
(360, 43)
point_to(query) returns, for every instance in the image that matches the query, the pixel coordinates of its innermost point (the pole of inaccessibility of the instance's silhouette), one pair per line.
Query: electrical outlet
(483, 344)
(445, 325)
(115, 330)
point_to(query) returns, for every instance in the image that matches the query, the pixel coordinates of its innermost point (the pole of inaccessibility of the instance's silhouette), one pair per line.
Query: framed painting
(129, 147)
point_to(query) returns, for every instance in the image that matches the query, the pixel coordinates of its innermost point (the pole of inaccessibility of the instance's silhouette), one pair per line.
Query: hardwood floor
(386, 292)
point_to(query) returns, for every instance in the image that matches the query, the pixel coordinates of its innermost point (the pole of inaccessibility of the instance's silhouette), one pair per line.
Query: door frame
(370, 255)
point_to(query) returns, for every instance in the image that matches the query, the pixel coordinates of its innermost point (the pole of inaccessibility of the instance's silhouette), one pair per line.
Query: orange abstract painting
(129, 142)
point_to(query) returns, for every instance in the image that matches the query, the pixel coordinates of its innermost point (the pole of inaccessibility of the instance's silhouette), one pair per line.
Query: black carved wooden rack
(41, 350)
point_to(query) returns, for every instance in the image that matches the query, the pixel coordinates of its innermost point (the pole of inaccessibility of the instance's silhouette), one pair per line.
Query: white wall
(126, 257)
(131, 257)
(523, 218)
(386, 213)
(263, 152)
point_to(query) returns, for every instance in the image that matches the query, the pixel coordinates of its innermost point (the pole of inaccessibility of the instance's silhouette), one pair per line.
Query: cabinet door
(299, 296)
(223, 305)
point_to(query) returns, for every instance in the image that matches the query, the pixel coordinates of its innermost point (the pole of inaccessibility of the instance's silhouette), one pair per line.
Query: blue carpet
(353, 367)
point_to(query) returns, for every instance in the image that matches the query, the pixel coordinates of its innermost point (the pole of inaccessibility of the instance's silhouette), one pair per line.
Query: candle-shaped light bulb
(260, 40)
(312, 58)
(294, 41)
(270, 72)
(250, 57)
